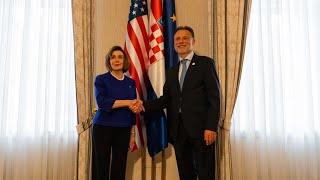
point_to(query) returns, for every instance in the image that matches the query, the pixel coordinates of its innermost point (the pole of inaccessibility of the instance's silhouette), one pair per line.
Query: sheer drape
(275, 134)
(37, 90)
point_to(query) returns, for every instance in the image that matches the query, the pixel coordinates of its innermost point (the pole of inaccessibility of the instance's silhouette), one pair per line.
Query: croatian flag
(157, 128)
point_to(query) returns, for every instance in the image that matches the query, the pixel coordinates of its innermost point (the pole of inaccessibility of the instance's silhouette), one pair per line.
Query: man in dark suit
(191, 95)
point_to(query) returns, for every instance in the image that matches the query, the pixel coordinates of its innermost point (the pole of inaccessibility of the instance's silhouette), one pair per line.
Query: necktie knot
(184, 61)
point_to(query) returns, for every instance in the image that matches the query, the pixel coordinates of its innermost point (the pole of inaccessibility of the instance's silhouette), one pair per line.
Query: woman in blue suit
(113, 124)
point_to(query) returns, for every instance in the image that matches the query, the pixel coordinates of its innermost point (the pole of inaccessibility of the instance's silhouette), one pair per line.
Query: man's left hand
(209, 137)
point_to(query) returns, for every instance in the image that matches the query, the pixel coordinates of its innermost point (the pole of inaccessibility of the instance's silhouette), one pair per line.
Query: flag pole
(163, 165)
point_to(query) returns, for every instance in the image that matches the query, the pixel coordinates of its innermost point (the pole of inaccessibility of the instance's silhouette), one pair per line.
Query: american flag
(144, 48)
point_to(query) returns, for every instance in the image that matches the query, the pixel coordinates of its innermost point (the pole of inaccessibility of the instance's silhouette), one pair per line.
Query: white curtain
(37, 90)
(276, 122)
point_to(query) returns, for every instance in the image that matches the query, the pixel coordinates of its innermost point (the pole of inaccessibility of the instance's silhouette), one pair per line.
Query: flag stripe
(136, 45)
(139, 128)
(138, 51)
(156, 9)
(144, 34)
(136, 73)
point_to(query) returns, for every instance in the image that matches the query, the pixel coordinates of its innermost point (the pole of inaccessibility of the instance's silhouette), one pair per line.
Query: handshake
(136, 106)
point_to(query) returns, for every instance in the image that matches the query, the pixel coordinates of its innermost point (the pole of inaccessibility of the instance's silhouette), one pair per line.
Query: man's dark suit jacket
(199, 99)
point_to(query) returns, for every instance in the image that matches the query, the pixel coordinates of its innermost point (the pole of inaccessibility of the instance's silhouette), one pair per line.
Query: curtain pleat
(84, 34)
(230, 19)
